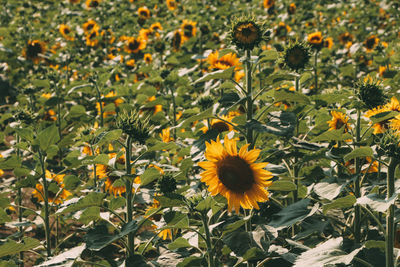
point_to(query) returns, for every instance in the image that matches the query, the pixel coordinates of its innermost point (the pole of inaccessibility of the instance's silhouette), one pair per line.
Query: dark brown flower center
(296, 56)
(133, 45)
(33, 50)
(66, 31)
(94, 3)
(188, 30)
(316, 39)
(225, 63)
(176, 40)
(339, 124)
(235, 173)
(370, 42)
(220, 126)
(143, 13)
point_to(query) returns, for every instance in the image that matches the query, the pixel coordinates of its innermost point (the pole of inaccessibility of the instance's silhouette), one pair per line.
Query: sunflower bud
(296, 56)
(246, 33)
(167, 184)
(131, 124)
(370, 93)
(389, 143)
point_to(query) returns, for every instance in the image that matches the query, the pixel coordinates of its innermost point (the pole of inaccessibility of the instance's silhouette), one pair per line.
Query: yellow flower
(246, 34)
(177, 40)
(116, 102)
(220, 125)
(130, 63)
(188, 29)
(74, 1)
(268, 3)
(46, 95)
(235, 175)
(145, 33)
(56, 198)
(315, 40)
(346, 38)
(166, 135)
(92, 3)
(156, 27)
(383, 69)
(89, 26)
(368, 166)
(171, 4)
(144, 12)
(148, 58)
(33, 50)
(371, 42)
(225, 62)
(382, 126)
(282, 30)
(328, 42)
(291, 8)
(91, 38)
(134, 45)
(65, 31)
(338, 121)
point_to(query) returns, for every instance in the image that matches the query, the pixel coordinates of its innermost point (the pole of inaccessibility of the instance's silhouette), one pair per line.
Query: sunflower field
(199, 133)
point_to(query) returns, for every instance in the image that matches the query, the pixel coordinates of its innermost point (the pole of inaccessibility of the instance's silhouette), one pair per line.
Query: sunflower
(371, 42)
(188, 29)
(144, 12)
(382, 126)
(116, 102)
(395, 124)
(148, 58)
(53, 197)
(383, 69)
(134, 45)
(224, 62)
(92, 38)
(268, 3)
(50, 115)
(114, 189)
(328, 42)
(246, 34)
(220, 125)
(92, 3)
(89, 26)
(338, 121)
(346, 38)
(166, 135)
(315, 40)
(33, 50)
(282, 30)
(235, 175)
(74, 1)
(130, 63)
(156, 27)
(291, 8)
(177, 40)
(367, 165)
(297, 56)
(65, 31)
(145, 33)
(171, 4)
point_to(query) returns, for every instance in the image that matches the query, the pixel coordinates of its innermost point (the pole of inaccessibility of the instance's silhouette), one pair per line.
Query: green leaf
(7, 264)
(219, 74)
(163, 146)
(67, 256)
(170, 200)
(327, 253)
(343, 202)
(283, 96)
(384, 116)
(191, 261)
(11, 247)
(360, 152)
(10, 162)
(90, 214)
(205, 204)
(328, 190)
(4, 217)
(333, 135)
(99, 159)
(269, 55)
(279, 77)
(116, 203)
(25, 133)
(176, 219)
(281, 123)
(47, 137)
(282, 186)
(233, 226)
(375, 244)
(92, 199)
(77, 111)
(376, 202)
(203, 115)
(238, 241)
(292, 214)
(180, 242)
(107, 137)
(149, 176)
(98, 238)
(71, 182)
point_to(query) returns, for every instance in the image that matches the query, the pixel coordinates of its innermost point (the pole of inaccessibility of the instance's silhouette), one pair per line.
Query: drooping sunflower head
(371, 42)
(338, 121)
(291, 9)
(235, 175)
(315, 40)
(220, 125)
(92, 3)
(144, 12)
(33, 50)
(296, 56)
(371, 93)
(189, 29)
(177, 40)
(92, 38)
(171, 4)
(134, 45)
(224, 62)
(381, 126)
(56, 191)
(246, 33)
(114, 185)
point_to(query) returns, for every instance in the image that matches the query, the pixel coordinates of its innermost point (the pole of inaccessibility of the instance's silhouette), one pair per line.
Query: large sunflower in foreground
(382, 126)
(235, 175)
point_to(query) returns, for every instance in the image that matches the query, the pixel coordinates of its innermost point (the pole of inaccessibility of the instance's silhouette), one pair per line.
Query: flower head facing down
(371, 93)
(56, 193)
(171, 4)
(144, 12)
(235, 175)
(246, 33)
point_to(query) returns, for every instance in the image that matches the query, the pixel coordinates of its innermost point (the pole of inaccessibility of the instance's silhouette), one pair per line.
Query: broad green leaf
(149, 176)
(8, 264)
(283, 96)
(107, 137)
(333, 135)
(328, 190)
(48, 137)
(71, 182)
(92, 199)
(376, 202)
(163, 146)
(268, 55)
(233, 226)
(10, 162)
(343, 202)
(176, 219)
(238, 241)
(180, 242)
(282, 186)
(98, 238)
(4, 217)
(203, 115)
(375, 244)
(77, 111)
(116, 203)
(219, 74)
(384, 116)
(171, 200)
(25, 133)
(191, 261)
(63, 258)
(279, 77)
(360, 152)
(11, 247)
(90, 214)
(327, 253)
(205, 204)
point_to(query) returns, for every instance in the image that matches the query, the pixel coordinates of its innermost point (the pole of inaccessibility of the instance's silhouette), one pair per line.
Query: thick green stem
(100, 104)
(357, 192)
(59, 122)
(249, 136)
(316, 71)
(128, 185)
(174, 111)
(390, 213)
(46, 204)
(210, 250)
(19, 202)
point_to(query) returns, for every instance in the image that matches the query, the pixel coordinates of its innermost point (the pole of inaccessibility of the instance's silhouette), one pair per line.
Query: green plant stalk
(249, 135)
(94, 169)
(295, 167)
(390, 213)
(19, 201)
(100, 103)
(46, 205)
(316, 71)
(357, 192)
(210, 250)
(128, 185)
(174, 111)
(59, 122)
